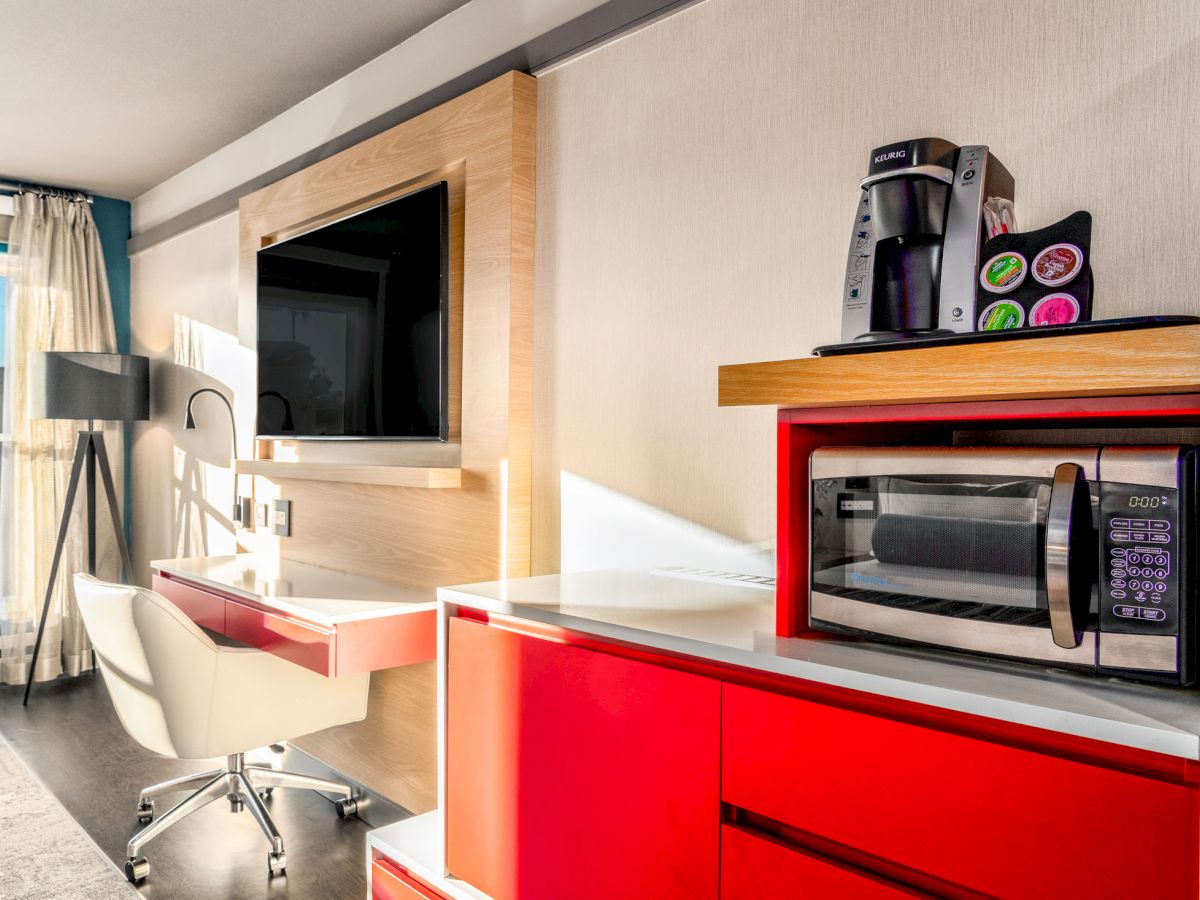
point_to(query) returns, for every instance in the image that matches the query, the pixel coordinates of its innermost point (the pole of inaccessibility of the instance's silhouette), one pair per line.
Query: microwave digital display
(1146, 502)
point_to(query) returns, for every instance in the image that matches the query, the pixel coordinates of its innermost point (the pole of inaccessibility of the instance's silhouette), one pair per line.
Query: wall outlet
(282, 522)
(262, 516)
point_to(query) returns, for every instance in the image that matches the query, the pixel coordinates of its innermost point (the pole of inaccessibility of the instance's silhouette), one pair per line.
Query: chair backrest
(158, 665)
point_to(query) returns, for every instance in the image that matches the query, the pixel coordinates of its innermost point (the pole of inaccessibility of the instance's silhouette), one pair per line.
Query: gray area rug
(44, 854)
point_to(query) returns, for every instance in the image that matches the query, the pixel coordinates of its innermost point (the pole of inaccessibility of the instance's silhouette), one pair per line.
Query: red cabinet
(975, 814)
(573, 773)
(755, 867)
(391, 882)
(576, 772)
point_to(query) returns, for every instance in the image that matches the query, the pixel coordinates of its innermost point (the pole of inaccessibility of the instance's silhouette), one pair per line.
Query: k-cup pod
(1057, 264)
(1054, 309)
(1004, 272)
(1001, 315)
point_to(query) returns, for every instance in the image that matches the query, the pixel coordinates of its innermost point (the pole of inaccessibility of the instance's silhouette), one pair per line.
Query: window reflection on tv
(352, 325)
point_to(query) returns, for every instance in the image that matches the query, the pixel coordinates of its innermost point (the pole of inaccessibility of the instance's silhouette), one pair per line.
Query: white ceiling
(114, 97)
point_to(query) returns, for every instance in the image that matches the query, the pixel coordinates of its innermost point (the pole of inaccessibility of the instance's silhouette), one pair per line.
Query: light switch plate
(262, 515)
(282, 522)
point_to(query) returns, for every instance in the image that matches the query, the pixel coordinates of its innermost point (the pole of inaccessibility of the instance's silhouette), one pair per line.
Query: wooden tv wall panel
(483, 144)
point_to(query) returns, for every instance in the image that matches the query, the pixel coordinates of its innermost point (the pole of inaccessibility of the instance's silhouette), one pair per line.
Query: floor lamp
(91, 386)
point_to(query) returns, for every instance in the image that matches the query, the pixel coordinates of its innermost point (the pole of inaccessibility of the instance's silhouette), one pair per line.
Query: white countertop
(735, 624)
(318, 595)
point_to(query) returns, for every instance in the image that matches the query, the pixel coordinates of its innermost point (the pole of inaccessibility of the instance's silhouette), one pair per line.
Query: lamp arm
(233, 434)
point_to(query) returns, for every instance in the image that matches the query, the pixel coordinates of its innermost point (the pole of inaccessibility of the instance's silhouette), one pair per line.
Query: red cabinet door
(755, 867)
(1000, 820)
(391, 882)
(573, 773)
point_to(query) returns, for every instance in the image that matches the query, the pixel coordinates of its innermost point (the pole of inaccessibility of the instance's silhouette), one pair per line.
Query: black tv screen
(352, 325)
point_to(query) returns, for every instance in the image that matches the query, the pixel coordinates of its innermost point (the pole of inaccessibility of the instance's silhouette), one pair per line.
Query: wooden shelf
(1116, 363)
(391, 476)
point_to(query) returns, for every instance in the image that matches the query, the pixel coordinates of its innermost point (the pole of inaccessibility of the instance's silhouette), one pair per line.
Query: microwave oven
(1076, 557)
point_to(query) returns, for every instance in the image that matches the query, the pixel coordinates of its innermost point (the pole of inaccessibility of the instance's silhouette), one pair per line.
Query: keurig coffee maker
(914, 252)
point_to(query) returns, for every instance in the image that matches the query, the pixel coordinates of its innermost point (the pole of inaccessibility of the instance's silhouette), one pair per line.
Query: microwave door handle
(1058, 555)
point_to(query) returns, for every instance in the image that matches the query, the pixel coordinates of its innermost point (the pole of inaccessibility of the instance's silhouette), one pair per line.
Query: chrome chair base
(245, 787)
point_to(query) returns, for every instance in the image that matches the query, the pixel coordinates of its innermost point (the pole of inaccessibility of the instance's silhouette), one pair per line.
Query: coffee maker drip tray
(891, 340)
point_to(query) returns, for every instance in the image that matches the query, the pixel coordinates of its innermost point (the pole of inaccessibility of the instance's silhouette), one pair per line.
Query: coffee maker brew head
(914, 252)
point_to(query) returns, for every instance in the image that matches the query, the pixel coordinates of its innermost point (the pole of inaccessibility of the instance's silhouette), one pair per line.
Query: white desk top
(735, 624)
(321, 596)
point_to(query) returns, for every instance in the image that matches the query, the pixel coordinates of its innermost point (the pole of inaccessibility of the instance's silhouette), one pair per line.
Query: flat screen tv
(353, 325)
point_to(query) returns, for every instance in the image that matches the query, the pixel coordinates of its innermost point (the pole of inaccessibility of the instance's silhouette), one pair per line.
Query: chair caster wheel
(236, 804)
(137, 869)
(276, 863)
(145, 812)
(346, 808)
(265, 793)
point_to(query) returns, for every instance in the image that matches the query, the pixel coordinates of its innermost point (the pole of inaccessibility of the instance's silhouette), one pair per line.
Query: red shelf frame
(800, 431)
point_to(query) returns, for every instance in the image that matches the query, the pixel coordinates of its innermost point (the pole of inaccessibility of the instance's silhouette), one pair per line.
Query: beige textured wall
(696, 182)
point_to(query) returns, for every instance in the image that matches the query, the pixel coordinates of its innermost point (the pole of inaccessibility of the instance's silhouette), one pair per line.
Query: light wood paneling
(400, 732)
(392, 476)
(483, 143)
(1148, 361)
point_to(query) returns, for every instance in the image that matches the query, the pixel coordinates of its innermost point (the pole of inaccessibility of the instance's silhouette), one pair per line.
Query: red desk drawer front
(367, 645)
(985, 816)
(758, 868)
(292, 639)
(205, 609)
(390, 882)
(575, 774)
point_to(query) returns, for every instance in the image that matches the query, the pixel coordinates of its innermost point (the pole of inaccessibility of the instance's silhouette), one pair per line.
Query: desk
(334, 623)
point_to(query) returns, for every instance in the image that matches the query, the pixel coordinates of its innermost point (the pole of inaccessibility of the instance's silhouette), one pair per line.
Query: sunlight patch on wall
(604, 529)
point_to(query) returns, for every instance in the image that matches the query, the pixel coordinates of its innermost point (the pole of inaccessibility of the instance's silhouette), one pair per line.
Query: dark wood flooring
(70, 736)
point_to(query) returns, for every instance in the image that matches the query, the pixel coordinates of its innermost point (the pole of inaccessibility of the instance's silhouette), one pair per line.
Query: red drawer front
(982, 815)
(205, 609)
(367, 645)
(296, 641)
(757, 868)
(390, 882)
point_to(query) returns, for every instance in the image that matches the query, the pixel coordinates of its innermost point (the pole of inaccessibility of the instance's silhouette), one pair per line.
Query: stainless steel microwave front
(970, 548)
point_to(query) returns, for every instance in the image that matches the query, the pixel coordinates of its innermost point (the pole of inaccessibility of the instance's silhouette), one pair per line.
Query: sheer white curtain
(57, 300)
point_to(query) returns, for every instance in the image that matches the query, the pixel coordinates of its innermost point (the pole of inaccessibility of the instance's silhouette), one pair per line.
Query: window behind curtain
(3, 322)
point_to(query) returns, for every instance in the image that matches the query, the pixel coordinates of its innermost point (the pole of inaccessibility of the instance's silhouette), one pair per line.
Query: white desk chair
(181, 695)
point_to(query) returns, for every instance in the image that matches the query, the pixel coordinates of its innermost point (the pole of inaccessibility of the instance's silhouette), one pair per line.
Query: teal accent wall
(112, 224)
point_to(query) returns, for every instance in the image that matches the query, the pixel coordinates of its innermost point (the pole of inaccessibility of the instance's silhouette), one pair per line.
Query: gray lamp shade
(112, 386)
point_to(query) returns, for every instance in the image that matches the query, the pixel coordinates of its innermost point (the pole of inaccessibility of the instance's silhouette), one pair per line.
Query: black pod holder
(1074, 229)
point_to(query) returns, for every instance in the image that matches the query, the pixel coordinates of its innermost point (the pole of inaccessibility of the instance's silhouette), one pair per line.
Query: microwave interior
(944, 545)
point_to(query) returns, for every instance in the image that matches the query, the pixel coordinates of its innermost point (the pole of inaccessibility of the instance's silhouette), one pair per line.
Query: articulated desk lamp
(91, 386)
(189, 424)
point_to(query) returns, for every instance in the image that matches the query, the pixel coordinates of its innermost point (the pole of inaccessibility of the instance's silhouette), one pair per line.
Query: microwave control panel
(1139, 578)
